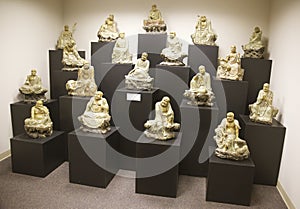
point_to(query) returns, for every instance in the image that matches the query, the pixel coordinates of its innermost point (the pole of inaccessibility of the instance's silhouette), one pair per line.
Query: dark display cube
(197, 126)
(93, 158)
(157, 175)
(230, 181)
(265, 144)
(37, 157)
(101, 52)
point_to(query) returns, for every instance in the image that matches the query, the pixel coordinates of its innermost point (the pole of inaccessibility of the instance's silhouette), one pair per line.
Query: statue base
(139, 84)
(33, 98)
(254, 53)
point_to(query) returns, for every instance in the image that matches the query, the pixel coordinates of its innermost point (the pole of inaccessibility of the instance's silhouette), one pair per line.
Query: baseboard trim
(5, 155)
(285, 196)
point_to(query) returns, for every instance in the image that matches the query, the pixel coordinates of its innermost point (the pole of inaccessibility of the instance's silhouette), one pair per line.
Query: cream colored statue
(230, 67)
(121, 51)
(108, 31)
(39, 125)
(204, 33)
(173, 54)
(155, 22)
(71, 58)
(255, 48)
(65, 37)
(229, 145)
(138, 78)
(96, 116)
(33, 89)
(85, 84)
(263, 111)
(200, 92)
(163, 126)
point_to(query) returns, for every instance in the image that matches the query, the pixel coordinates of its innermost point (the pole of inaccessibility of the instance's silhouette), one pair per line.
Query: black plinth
(101, 53)
(148, 178)
(265, 144)
(203, 55)
(20, 111)
(58, 77)
(230, 181)
(37, 157)
(197, 125)
(257, 72)
(92, 157)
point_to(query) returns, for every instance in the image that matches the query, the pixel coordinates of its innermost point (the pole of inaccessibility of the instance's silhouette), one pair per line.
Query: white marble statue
(155, 22)
(255, 48)
(108, 31)
(121, 51)
(65, 37)
(71, 58)
(204, 34)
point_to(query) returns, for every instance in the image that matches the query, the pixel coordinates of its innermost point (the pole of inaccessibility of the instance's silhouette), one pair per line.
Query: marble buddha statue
(32, 89)
(121, 51)
(229, 145)
(230, 67)
(108, 31)
(71, 58)
(39, 125)
(255, 47)
(200, 92)
(95, 118)
(204, 34)
(65, 37)
(263, 111)
(155, 22)
(163, 126)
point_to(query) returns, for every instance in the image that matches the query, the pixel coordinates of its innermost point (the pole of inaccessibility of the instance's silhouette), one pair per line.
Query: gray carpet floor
(19, 191)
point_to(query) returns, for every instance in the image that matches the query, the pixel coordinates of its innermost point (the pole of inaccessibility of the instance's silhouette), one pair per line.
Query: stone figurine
(65, 36)
(255, 48)
(85, 84)
(230, 67)
(173, 54)
(229, 145)
(32, 89)
(200, 92)
(138, 78)
(108, 31)
(121, 51)
(71, 58)
(163, 126)
(95, 118)
(155, 22)
(204, 33)
(39, 125)
(263, 111)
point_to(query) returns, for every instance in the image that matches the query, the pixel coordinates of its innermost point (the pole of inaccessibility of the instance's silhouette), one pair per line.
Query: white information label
(134, 97)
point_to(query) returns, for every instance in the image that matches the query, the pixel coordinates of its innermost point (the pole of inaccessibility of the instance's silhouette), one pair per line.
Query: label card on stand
(134, 97)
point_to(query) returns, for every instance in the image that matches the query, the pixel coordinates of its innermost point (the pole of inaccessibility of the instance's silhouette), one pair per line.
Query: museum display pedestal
(203, 55)
(197, 125)
(230, 181)
(162, 183)
(37, 157)
(21, 110)
(257, 72)
(58, 77)
(93, 159)
(101, 53)
(265, 144)
(130, 110)
(153, 44)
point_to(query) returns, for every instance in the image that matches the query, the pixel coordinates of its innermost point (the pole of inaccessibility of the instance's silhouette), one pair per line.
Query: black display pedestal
(265, 143)
(257, 72)
(153, 44)
(230, 181)
(161, 184)
(197, 125)
(92, 157)
(37, 157)
(101, 53)
(203, 55)
(21, 110)
(130, 110)
(58, 77)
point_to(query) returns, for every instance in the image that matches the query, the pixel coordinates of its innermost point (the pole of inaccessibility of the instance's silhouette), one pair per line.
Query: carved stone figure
(71, 58)
(65, 37)
(139, 78)
(155, 22)
(108, 31)
(200, 92)
(85, 84)
(263, 111)
(173, 54)
(255, 48)
(33, 89)
(230, 67)
(230, 146)
(121, 51)
(163, 126)
(39, 125)
(96, 116)
(204, 33)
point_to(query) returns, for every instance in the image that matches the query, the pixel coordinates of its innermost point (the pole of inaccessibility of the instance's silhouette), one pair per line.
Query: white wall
(284, 47)
(28, 29)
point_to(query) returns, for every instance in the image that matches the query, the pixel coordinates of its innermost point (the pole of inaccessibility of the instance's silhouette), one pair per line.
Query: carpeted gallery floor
(55, 192)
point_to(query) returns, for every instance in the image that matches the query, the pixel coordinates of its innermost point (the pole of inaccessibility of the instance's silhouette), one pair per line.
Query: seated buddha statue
(155, 22)
(71, 58)
(121, 51)
(108, 31)
(65, 37)
(255, 48)
(204, 34)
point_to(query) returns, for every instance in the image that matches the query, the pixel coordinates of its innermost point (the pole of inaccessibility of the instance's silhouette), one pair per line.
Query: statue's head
(165, 101)
(230, 117)
(86, 65)
(66, 28)
(39, 103)
(266, 87)
(233, 49)
(203, 19)
(122, 35)
(111, 16)
(154, 7)
(98, 95)
(33, 72)
(256, 29)
(144, 56)
(201, 69)
(172, 34)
